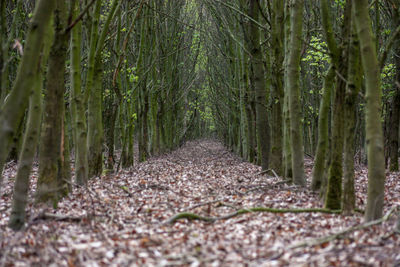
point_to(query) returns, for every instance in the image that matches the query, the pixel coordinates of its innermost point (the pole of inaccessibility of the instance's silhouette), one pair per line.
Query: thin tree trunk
(296, 26)
(287, 150)
(395, 103)
(78, 105)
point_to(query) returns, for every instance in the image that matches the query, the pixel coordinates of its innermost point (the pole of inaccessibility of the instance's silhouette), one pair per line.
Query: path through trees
(287, 85)
(119, 219)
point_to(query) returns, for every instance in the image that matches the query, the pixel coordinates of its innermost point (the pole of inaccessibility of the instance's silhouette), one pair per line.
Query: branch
(122, 55)
(243, 14)
(58, 217)
(389, 44)
(85, 10)
(321, 240)
(193, 216)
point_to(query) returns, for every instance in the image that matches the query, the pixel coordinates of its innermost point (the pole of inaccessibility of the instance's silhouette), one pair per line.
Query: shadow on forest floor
(118, 219)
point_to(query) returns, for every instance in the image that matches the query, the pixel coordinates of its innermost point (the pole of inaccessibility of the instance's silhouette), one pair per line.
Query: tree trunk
(354, 80)
(10, 117)
(395, 103)
(323, 132)
(376, 160)
(78, 104)
(50, 183)
(29, 146)
(277, 87)
(258, 77)
(293, 72)
(95, 122)
(339, 60)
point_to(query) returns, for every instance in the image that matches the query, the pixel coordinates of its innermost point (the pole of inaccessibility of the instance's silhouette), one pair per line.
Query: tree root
(193, 216)
(321, 240)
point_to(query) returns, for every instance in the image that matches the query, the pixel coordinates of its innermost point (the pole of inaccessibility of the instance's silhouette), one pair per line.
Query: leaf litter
(118, 219)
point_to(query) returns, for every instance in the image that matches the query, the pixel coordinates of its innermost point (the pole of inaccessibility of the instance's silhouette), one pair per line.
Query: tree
(10, 117)
(293, 72)
(376, 161)
(395, 103)
(51, 184)
(31, 137)
(257, 77)
(277, 45)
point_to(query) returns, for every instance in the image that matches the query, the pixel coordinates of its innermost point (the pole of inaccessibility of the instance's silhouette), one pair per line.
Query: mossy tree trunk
(142, 91)
(77, 95)
(10, 117)
(91, 116)
(29, 146)
(376, 160)
(95, 122)
(287, 150)
(293, 79)
(51, 184)
(320, 162)
(354, 80)
(31, 137)
(258, 78)
(277, 86)
(339, 55)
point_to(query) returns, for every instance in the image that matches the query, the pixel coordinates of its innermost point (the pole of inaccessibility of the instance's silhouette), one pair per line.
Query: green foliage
(317, 55)
(387, 75)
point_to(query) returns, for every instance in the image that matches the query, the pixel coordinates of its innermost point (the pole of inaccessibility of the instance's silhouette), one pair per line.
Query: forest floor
(120, 220)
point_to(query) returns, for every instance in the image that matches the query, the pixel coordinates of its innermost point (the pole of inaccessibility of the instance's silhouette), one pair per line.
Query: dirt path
(118, 220)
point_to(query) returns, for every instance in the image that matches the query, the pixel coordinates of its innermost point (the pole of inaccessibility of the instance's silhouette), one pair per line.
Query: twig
(193, 216)
(321, 240)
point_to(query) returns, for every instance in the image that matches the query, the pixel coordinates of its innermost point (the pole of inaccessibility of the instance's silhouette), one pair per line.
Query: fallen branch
(266, 171)
(193, 216)
(321, 240)
(204, 204)
(58, 217)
